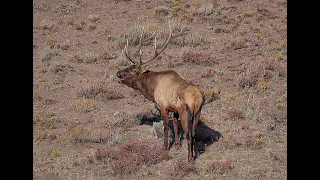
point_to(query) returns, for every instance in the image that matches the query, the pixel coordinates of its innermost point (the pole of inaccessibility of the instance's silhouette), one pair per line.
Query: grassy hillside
(88, 126)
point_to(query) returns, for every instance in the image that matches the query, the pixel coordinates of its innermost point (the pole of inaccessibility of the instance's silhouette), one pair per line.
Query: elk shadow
(204, 135)
(156, 121)
(203, 138)
(149, 119)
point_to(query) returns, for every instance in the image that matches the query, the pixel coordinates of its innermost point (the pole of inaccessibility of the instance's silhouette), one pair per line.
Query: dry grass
(221, 167)
(176, 7)
(134, 34)
(182, 168)
(100, 93)
(84, 105)
(63, 68)
(129, 157)
(88, 126)
(198, 58)
(250, 77)
(234, 114)
(206, 9)
(85, 135)
(49, 55)
(161, 11)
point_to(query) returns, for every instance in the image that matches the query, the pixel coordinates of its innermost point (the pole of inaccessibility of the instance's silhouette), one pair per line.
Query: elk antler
(125, 53)
(156, 53)
(129, 56)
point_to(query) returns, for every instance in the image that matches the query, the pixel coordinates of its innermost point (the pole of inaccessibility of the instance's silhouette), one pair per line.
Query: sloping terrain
(88, 126)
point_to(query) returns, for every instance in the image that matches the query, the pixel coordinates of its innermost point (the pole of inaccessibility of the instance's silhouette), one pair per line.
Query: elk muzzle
(126, 72)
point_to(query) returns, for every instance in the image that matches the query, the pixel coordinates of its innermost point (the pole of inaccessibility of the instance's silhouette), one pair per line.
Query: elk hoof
(192, 161)
(166, 147)
(178, 146)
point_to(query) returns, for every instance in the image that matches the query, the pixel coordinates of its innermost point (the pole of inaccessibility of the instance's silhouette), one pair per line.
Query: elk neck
(146, 84)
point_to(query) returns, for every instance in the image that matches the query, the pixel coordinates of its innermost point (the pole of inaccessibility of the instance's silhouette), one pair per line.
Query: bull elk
(165, 88)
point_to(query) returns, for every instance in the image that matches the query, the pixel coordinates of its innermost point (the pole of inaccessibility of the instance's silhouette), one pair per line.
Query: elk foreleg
(176, 130)
(165, 116)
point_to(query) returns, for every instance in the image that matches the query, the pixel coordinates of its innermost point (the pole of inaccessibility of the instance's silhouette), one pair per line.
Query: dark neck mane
(147, 84)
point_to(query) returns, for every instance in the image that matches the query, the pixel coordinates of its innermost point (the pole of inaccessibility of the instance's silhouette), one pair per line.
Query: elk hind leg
(194, 126)
(196, 121)
(186, 122)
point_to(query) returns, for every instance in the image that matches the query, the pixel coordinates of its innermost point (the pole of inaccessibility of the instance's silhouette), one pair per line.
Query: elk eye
(119, 74)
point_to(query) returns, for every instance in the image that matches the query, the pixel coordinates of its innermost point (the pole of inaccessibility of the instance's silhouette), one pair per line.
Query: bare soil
(81, 113)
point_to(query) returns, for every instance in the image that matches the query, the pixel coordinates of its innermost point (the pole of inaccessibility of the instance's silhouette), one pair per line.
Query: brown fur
(171, 93)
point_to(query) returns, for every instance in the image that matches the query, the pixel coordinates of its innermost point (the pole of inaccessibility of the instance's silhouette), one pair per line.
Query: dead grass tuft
(258, 73)
(207, 72)
(90, 57)
(261, 84)
(122, 119)
(176, 7)
(134, 34)
(84, 134)
(62, 69)
(52, 43)
(99, 93)
(250, 77)
(221, 167)
(129, 157)
(229, 141)
(93, 17)
(46, 56)
(84, 104)
(193, 39)
(239, 44)
(275, 66)
(161, 11)
(198, 58)
(256, 140)
(206, 9)
(235, 114)
(47, 24)
(117, 1)
(182, 168)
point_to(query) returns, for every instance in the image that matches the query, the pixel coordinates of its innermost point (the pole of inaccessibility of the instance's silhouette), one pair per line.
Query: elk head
(129, 75)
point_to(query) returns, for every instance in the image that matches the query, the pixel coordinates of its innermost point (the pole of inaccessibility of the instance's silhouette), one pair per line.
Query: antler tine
(130, 57)
(141, 41)
(156, 53)
(140, 45)
(125, 54)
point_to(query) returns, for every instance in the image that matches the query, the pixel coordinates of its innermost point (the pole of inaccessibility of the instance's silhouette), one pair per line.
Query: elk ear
(145, 69)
